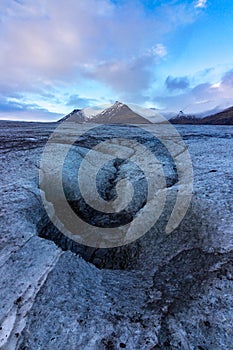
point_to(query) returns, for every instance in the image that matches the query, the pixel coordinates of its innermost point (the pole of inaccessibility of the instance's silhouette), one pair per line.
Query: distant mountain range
(120, 113)
(224, 117)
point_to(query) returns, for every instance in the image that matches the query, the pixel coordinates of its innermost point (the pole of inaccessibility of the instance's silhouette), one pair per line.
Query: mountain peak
(77, 113)
(118, 103)
(119, 113)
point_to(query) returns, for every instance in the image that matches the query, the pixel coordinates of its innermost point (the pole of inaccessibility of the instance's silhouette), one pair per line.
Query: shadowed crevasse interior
(106, 181)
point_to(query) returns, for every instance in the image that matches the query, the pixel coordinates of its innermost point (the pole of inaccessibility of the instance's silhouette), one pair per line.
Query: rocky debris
(162, 292)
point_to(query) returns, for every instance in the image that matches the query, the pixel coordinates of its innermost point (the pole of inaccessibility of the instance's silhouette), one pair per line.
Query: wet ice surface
(175, 292)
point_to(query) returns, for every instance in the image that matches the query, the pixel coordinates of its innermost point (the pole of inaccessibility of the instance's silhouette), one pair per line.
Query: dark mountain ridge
(224, 117)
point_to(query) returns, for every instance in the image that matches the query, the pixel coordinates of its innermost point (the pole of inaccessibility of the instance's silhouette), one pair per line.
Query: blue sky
(57, 55)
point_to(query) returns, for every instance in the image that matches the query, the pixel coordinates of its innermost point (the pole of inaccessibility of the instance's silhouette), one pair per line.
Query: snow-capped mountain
(118, 113)
(183, 118)
(77, 113)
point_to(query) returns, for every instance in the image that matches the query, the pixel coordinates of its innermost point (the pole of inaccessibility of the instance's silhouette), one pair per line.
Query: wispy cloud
(201, 3)
(158, 50)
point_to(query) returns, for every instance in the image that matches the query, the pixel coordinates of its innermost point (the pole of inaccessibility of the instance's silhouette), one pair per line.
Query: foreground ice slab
(162, 291)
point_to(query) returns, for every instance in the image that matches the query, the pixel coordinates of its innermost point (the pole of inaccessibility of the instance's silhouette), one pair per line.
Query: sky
(58, 55)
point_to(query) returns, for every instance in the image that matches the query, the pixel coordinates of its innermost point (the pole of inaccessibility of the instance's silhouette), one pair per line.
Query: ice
(162, 291)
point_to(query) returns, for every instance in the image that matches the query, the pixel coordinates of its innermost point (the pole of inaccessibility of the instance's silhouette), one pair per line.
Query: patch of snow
(91, 112)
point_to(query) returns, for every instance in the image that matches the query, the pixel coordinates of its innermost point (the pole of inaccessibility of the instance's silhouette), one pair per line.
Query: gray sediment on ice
(160, 292)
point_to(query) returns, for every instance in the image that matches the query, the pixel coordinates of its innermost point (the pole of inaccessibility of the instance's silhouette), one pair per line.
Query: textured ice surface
(164, 291)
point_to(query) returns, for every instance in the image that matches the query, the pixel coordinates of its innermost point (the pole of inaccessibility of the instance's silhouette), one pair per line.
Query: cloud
(128, 77)
(13, 105)
(124, 77)
(201, 97)
(16, 110)
(79, 102)
(47, 42)
(33, 115)
(50, 43)
(178, 83)
(227, 79)
(159, 50)
(201, 4)
(52, 49)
